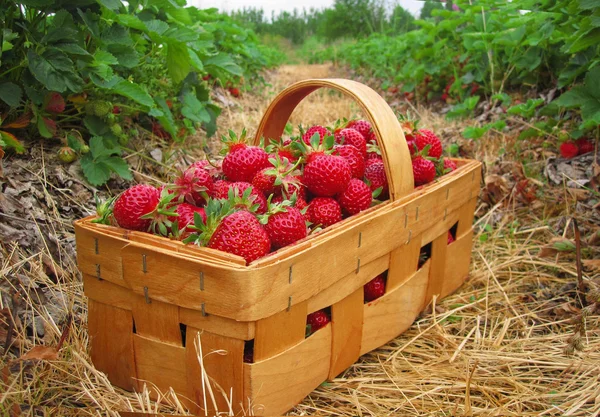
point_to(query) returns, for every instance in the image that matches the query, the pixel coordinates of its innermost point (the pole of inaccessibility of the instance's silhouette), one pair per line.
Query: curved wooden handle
(396, 157)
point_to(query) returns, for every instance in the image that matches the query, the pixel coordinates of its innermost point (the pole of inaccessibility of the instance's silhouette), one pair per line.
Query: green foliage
(104, 66)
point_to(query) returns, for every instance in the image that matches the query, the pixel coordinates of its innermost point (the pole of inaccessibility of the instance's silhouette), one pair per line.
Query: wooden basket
(154, 302)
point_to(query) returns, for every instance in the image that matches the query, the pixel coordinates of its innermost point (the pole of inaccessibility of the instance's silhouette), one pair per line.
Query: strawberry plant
(107, 67)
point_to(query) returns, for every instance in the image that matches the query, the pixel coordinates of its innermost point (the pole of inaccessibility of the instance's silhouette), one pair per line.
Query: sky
(413, 6)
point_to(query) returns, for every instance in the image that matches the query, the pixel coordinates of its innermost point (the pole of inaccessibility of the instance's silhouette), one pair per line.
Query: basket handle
(396, 157)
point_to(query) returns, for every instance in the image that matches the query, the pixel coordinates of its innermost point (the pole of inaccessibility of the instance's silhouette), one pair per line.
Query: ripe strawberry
(284, 224)
(354, 158)
(372, 138)
(374, 288)
(450, 237)
(300, 203)
(243, 161)
(159, 131)
(317, 320)
(363, 127)
(322, 131)
(254, 197)
(55, 103)
(185, 218)
(373, 153)
(423, 170)
(327, 175)
(134, 203)
(221, 188)
(214, 167)
(352, 137)
(375, 175)
(324, 211)
(234, 91)
(449, 165)
(273, 179)
(585, 145)
(116, 110)
(426, 137)
(569, 149)
(194, 184)
(356, 197)
(282, 149)
(242, 234)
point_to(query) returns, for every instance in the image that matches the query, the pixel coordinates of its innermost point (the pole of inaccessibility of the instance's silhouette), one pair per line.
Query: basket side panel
(439, 248)
(156, 320)
(243, 330)
(403, 263)
(394, 312)
(160, 364)
(275, 385)
(458, 263)
(279, 332)
(111, 343)
(222, 359)
(108, 293)
(97, 255)
(347, 325)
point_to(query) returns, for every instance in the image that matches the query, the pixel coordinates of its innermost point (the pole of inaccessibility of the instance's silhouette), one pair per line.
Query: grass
(497, 346)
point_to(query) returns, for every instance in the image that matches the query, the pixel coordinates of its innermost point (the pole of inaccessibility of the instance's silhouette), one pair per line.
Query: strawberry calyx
(216, 210)
(234, 143)
(316, 147)
(160, 223)
(104, 210)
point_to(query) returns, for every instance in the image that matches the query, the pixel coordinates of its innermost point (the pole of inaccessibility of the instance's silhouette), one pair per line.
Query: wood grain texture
(111, 343)
(389, 316)
(403, 263)
(346, 332)
(108, 293)
(160, 364)
(277, 384)
(347, 285)
(157, 320)
(458, 263)
(279, 332)
(243, 330)
(223, 360)
(438, 260)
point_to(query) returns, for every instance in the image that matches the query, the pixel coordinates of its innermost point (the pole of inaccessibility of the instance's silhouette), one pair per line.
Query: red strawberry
(234, 91)
(273, 179)
(375, 175)
(159, 131)
(214, 168)
(426, 137)
(134, 203)
(354, 158)
(185, 217)
(372, 138)
(284, 225)
(326, 175)
(220, 188)
(116, 110)
(450, 237)
(317, 320)
(449, 165)
(363, 127)
(352, 137)
(373, 153)
(254, 196)
(356, 197)
(585, 145)
(243, 161)
(374, 288)
(569, 149)
(324, 211)
(194, 184)
(55, 103)
(423, 170)
(240, 233)
(322, 131)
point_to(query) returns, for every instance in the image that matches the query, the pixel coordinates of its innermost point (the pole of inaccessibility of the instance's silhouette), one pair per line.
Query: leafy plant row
(91, 72)
(486, 49)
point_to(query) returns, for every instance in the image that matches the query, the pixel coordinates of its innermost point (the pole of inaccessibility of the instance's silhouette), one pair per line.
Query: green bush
(102, 68)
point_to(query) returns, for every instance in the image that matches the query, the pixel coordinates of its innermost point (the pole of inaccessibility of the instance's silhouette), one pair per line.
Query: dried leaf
(41, 353)
(19, 123)
(592, 264)
(556, 245)
(496, 188)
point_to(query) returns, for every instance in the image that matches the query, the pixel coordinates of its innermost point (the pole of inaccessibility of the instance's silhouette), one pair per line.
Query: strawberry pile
(258, 199)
